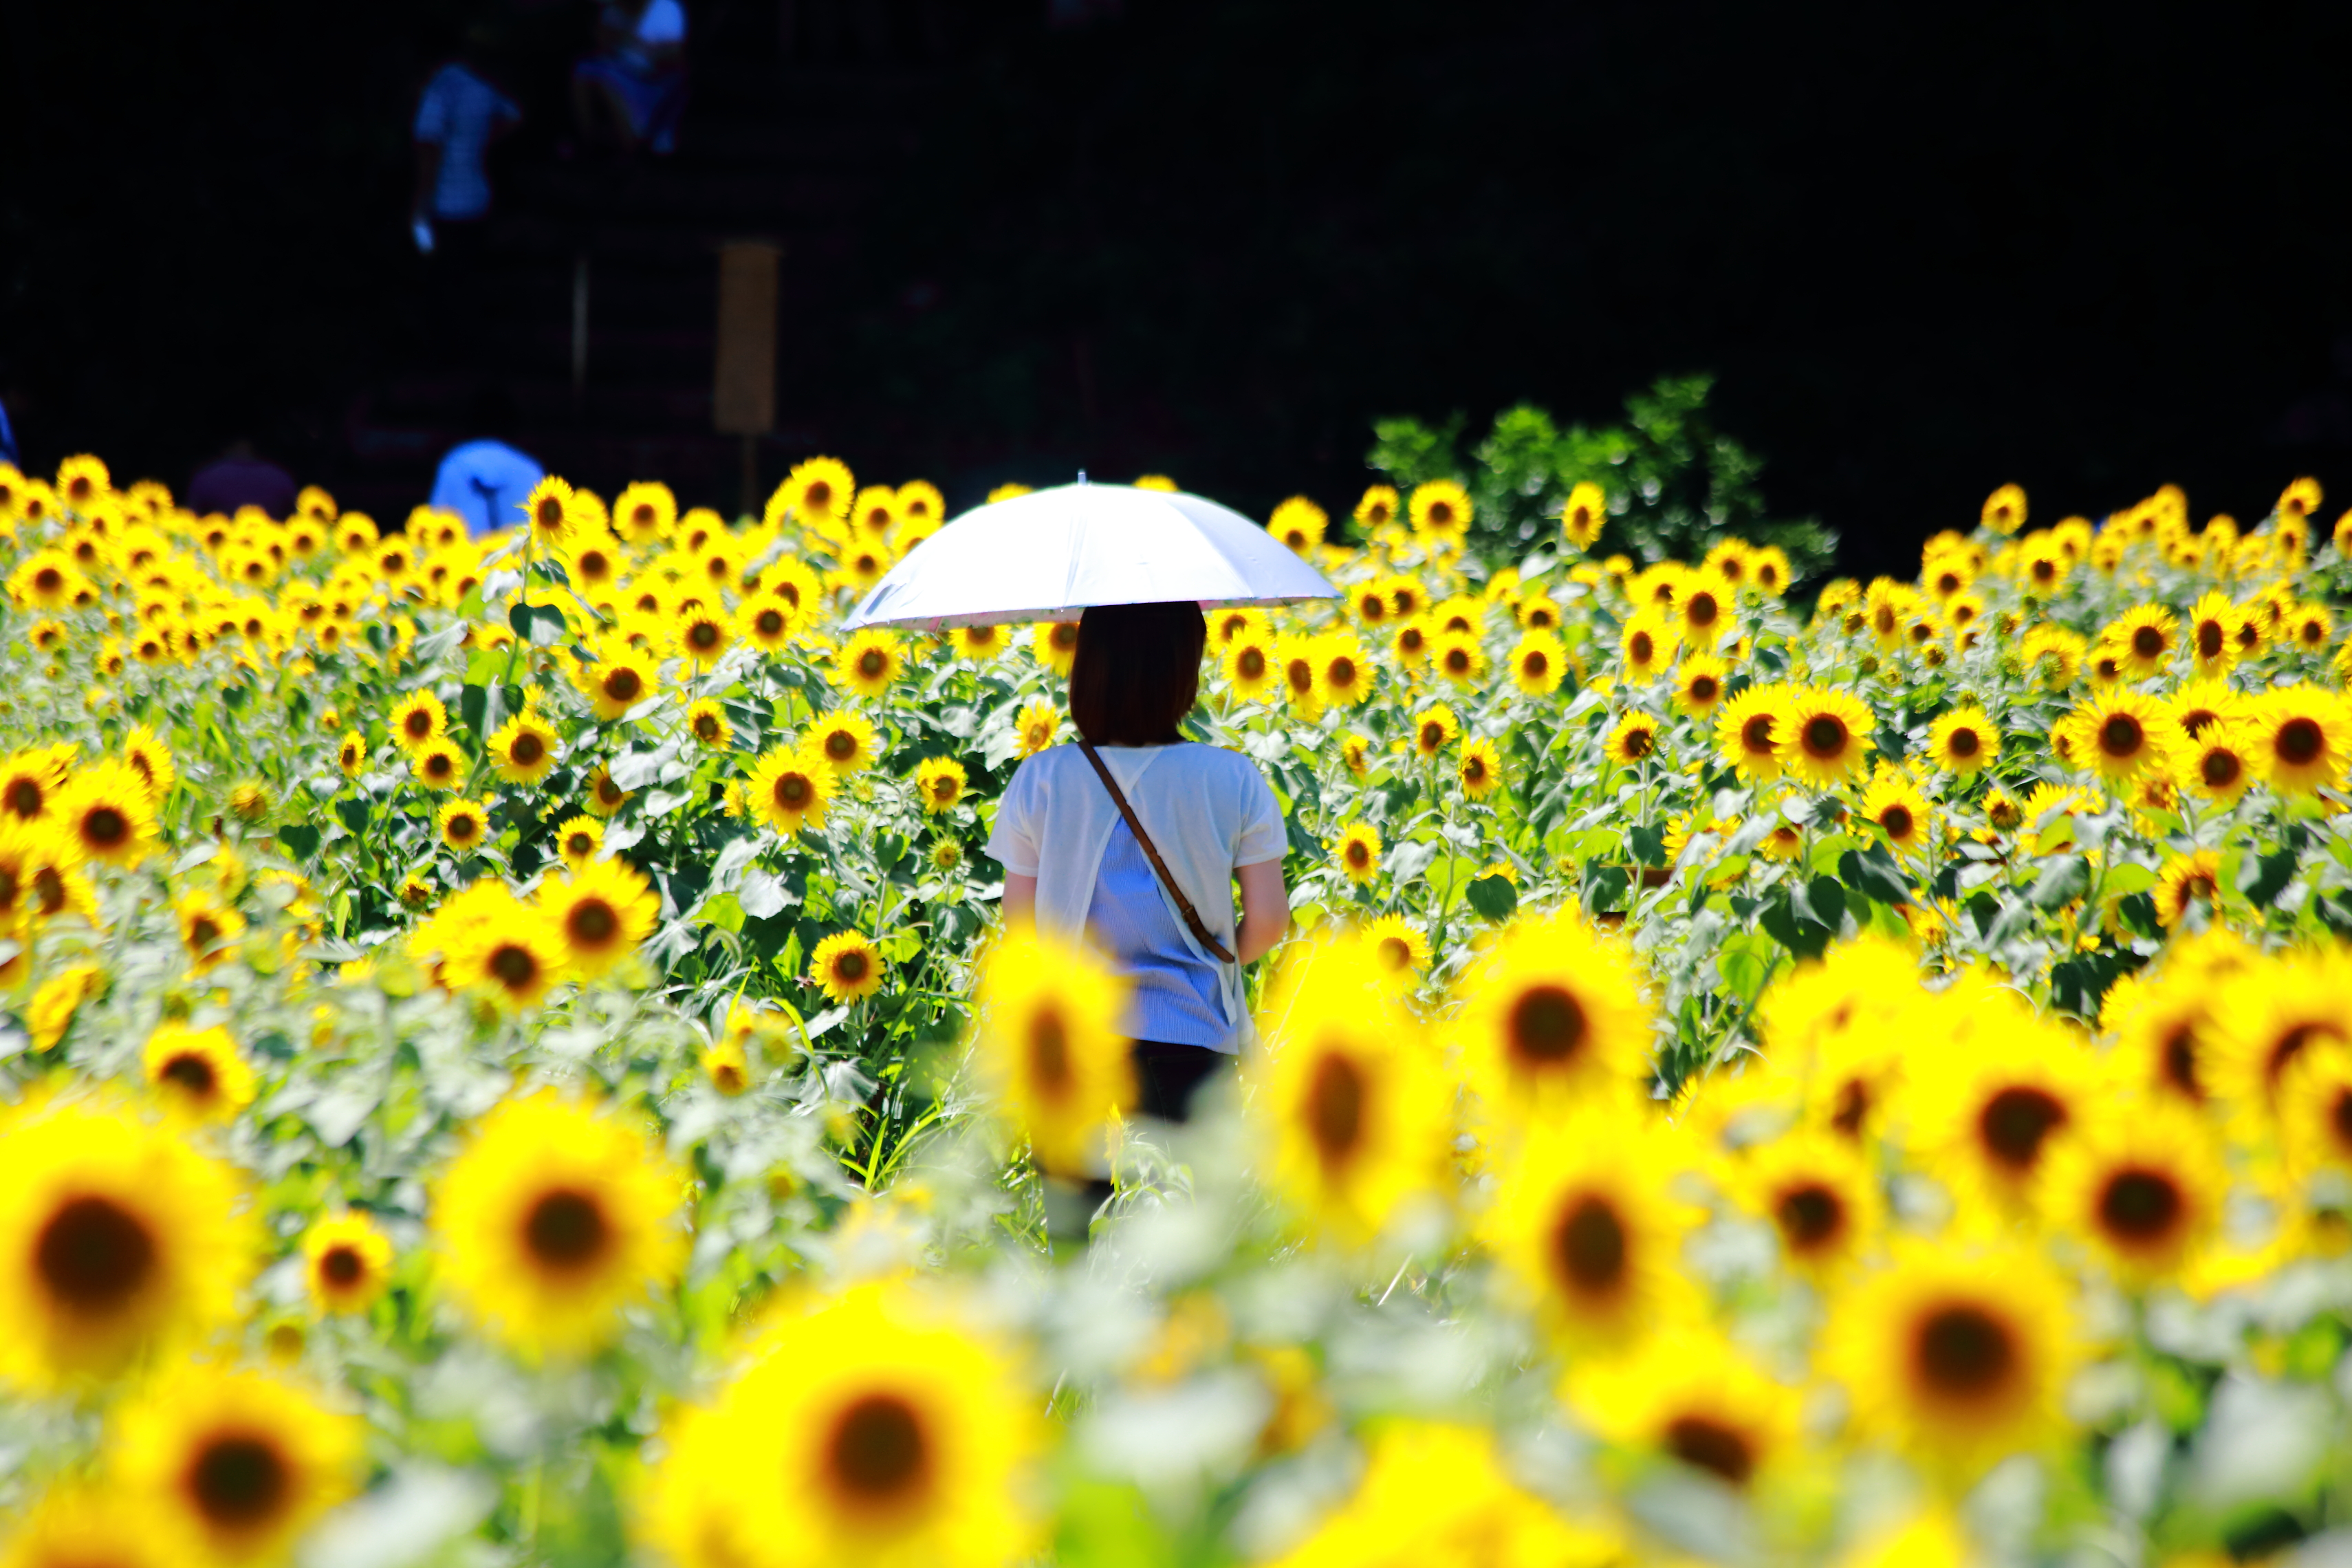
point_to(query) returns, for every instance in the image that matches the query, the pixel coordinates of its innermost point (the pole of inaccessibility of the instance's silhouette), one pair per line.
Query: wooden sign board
(743, 397)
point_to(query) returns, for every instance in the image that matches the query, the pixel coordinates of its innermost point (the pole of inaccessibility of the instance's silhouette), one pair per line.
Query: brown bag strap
(1183, 905)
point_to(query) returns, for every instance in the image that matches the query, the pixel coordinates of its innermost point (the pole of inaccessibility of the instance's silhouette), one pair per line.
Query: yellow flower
(1537, 664)
(346, 1262)
(1457, 657)
(845, 739)
(1959, 1356)
(1747, 732)
(351, 753)
(2146, 636)
(1699, 684)
(1993, 1088)
(1826, 736)
(147, 756)
(1964, 740)
(1434, 730)
(1010, 490)
(523, 749)
(1037, 724)
(1054, 644)
(2004, 510)
(621, 678)
(726, 1068)
(510, 952)
(1480, 770)
(1819, 1194)
(1397, 947)
(197, 1071)
(817, 491)
(1345, 1093)
(600, 913)
(2143, 1183)
(1301, 676)
(846, 967)
(1440, 511)
(1584, 514)
(208, 929)
(235, 1467)
(555, 1218)
(440, 765)
(1358, 852)
(869, 661)
(1552, 1020)
(706, 721)
(103, 813)
(1688, 1394)
(2305, 738)
(1344, 676)
(872, 1428)
(604, 797)
(1646, 647)
(1298, 523)
(981, 642)
(1894, 802)
(1633, 740)
(1378, 508)
(464, 826)
(578, 838)
(789, 789)
(2221, 764)
(80, 1526)
(550, 512)
(644, 513)
(2269, 1012)
(939, 784)
(2186, 881)
(1251, 664)
(116, 1237)
(702, 632)
(1051, 1045)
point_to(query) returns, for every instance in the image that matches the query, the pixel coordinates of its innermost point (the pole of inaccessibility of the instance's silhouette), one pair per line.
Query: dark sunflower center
(1252, 664)
(770, 623)
(1360, 854)
(192, 1073)
(528, 749)
(1756, 736)
(624, 684)
(1965, 743)
(1396, 953)
(239, 1479)
(340, 1266)
(1810, 1217)
(1536, 663)
(1049, 1053)
(1642, 648)
(1965, 1352)
(441, 766)
(2221, 767)
(1896, 820)
(607, 792)
(105, 827)
(841, 745)
(879, 1453)
(1825, 735)
(1702, 611)
(1715, 1447)
(1457, 660)
(94, 1255)
(2300, 741)
(850, 967)
(2147, 642)
(944, 789)
(1335, 1108)
(792, 791)
(2291, 1044)
(1637, 743)
(1546, 1027)
(2209, 639)
(594, 922)
(203, 932)
(1432, 736)
(705, 726)
(1704, 688)
(1342, 672)
(1591, 1245)
(703, 634)
(513, 966)
(2140, 1205)
(2015, 1122)
(463, 830)
(566, 1229)
(2121, 735)
(873, 664)
(551, 513)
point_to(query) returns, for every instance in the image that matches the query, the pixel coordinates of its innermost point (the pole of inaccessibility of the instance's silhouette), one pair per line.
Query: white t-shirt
(1208, 812)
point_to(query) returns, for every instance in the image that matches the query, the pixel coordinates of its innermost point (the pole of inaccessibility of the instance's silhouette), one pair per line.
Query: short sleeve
(1012, 842)
(1261, 837)
(664, 22)
(432, 111)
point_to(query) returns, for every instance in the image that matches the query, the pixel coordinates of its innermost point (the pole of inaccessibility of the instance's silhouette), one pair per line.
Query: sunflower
(2212, 628)
(523, 751)
(2267, 1013)
(789, 789)
(1964, 740)
(702, 632)
(2146, 636)
(115, 1237)
(2314, 1098)
(981, 642)
(47, 580)
(1433, 730)
(1050, 1044)
(1299, 523)
(549, 512)
(1993, 1089)
(2143, 1184)
(208, 929)
(1458, 656)
(1826, 735)
(1397, 947)
(1054, 644)
(2186, 881)
(1301, 672)
(1553, 1019)
(874, 1429)
(234, 1466)
(1345, 1097)
(1703, 602)
(1588, 1231)
(1343, 674)
(604, 797)
(144, 755)
(1583, 515)
(621, 678)
(2202, 704)
(1537, 664)
(2221, 764)
(768, 621)
(1251, 665)
(2311, 628)
(869, 661)
(845, 739)
(644, 513)
(1959, 1356)
(846, 967)
(578, 839)
(1699, 684)
(1819, 1194)
(1745, 731)
(1357, 851)
(1894, 802)
(80, 1526)
(198, 1072)
(439, 766)
(1480, 769)
(1378, 508)
(601, 912)
(464, 826)
(1037, 725)
(1646, 647)
(1633, 740)
(727, 1067)
(2004, 510)
(1440, 511)
(513, 955)
(103, 814)
(1355, 754)
(2302, 739)
(555, 1218)
(2298, 500)
(940, 783)
(346, 1262)
(1688, 1395)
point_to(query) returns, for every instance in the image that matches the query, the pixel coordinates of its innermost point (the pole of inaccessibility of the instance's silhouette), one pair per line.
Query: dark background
(2090, 248)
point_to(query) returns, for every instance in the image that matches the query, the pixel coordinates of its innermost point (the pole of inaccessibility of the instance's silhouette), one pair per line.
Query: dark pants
(1167, 1077)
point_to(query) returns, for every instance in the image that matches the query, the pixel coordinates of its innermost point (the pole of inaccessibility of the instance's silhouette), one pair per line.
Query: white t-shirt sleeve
(1261, 837)
(1012, 842)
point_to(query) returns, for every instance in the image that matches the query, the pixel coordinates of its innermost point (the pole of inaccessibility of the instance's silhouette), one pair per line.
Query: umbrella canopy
(1051, 553)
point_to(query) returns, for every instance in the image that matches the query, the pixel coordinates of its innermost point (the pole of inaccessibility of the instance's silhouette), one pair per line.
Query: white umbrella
(1051, 553)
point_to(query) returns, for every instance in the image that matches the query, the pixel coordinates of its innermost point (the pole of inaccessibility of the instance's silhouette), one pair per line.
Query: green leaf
(542, 626)
(301, 841)
(1872, 872)
(1822, 900)
(1494, 896)
(2061, 881)
(2123, 880)
(1744, 961)
(2264, 878)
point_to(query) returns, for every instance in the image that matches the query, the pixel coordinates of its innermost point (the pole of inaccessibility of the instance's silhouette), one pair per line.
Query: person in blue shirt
(486, 480)
(460, 115)
(7, 438)
(632, 92)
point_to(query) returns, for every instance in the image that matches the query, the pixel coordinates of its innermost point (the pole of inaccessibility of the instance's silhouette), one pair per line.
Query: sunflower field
(509, 1057)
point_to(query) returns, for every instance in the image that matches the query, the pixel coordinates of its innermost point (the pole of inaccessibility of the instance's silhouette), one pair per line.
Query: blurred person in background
(486, 479)
(631, 92)
(461, 112)
(240, 476)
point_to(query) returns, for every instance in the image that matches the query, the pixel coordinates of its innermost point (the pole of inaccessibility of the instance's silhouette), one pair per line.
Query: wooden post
(743, 395)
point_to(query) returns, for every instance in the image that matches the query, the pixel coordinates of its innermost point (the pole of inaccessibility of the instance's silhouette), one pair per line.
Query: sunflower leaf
(2063, 881)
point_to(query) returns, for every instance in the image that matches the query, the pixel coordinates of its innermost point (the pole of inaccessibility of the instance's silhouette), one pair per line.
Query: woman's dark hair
(1137, 672)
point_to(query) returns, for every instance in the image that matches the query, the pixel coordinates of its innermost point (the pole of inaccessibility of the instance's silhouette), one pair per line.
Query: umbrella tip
(1082, 476)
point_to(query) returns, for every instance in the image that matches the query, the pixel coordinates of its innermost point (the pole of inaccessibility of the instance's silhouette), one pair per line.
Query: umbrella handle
(1183, 905)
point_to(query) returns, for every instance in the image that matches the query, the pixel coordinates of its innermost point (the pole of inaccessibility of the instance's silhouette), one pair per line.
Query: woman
(1073, 867)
